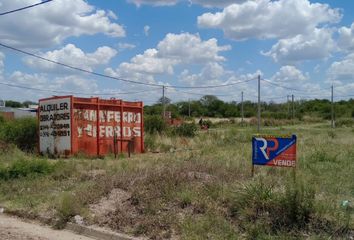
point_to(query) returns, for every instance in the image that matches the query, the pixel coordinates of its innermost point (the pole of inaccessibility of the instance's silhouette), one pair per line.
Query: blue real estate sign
(274, 150)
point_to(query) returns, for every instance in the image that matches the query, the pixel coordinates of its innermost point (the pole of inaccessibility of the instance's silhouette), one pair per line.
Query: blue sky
(301, 46)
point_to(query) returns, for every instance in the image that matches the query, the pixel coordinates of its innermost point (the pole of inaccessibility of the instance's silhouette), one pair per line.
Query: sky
(298, 47)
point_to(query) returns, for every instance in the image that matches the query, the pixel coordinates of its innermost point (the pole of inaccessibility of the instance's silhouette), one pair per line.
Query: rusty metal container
(8, 115)
(92, 126)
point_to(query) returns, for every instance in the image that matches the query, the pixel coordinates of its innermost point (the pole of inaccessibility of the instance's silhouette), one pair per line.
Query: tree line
(211, 106)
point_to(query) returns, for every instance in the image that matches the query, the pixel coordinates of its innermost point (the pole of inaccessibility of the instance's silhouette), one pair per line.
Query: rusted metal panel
(8, 115)
(100, 126)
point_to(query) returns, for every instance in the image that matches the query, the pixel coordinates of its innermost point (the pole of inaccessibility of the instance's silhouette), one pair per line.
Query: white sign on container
(55, 126)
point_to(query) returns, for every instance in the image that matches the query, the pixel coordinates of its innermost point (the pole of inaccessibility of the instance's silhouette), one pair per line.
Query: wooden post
(115, 143)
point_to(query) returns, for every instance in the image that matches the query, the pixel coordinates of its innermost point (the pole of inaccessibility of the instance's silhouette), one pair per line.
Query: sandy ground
(12, 228)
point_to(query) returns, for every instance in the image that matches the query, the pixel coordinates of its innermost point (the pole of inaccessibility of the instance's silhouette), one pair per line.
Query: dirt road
(12, 228)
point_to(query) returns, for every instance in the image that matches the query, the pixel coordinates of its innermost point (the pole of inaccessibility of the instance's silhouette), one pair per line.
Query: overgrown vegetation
(185, 130)
(154, 124)
(25, 168)
(201, 189)
(22, 132)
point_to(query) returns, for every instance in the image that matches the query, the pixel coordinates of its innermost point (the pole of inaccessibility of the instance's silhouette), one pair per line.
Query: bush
(68, 207)
(150, 142)
(185, 130)
(22, 132)
(208, 123)
(154, 123)
(345, 122)
(24, 168)
(259, 204)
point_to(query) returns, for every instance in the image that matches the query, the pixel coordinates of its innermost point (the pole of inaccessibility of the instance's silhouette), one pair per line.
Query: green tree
(14, 104)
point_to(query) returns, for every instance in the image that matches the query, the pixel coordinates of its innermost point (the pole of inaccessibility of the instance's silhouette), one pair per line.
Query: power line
(118, 78)
(71, 92)
(290, 88)
(278, 85)
(215, 86)
(23, 8)
(203, 94)
(76, 68)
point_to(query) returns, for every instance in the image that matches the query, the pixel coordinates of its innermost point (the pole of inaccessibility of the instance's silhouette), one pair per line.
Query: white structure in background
(2, 103)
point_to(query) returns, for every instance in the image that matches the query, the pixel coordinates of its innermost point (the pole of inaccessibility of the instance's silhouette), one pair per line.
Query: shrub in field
(320, 155)
(68, 207)
(185, 130)
(150, 141)
(296, 206)
(21, 132)
(208, 226)
(208, 123)
(24, 168)
(345, 122)
(275, 115)
(259, 204)
(154, 123)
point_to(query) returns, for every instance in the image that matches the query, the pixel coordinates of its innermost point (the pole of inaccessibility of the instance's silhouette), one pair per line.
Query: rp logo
(265, 149)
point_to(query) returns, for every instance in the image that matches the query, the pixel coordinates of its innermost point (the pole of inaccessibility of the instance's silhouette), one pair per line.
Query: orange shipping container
(93, 126)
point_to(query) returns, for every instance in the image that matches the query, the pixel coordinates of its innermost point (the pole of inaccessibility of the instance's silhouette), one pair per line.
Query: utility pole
(242, 116)
(189, 107)
(287, 101)
(163, 102)
(293, 110)
(332, 108)
(259, 103)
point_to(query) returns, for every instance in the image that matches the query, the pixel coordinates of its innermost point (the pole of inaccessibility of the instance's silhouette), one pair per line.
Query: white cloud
(264, 19)
(34, 80)
(71, 83)
(123, 46)
(149, 63)
(205, 3)
(319, 44)
(125, 72)
(112, 15)
(154, 2)
(73, 56)
(211, 73)
(346, 38)
(173, 50)
(51, 23)
(2, 59)
(342, 70)
(190, 48)
(218, 3)
(291, 80)
(289, 74)
(217, 76)
(146, 30)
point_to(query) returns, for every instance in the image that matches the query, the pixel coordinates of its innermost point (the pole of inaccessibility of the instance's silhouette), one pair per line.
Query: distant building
(14, 113)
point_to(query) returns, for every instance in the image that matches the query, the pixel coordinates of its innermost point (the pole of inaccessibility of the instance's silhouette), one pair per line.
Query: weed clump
(21, 132)
(260, 209)
(185, 130)
(25, 168)
(68, 207)
(154, 124)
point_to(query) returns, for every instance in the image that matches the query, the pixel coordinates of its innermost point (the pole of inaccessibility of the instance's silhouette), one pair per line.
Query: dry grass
(200, 188)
